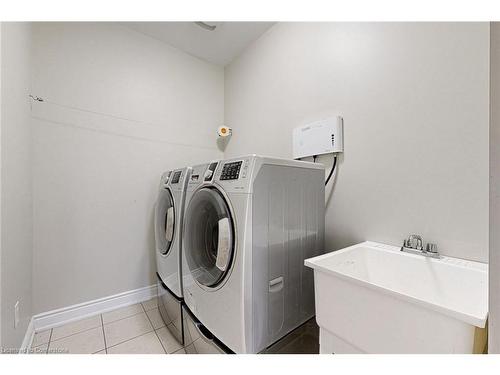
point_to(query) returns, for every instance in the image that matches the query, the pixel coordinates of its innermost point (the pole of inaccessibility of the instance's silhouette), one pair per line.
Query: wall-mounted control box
(319, 137)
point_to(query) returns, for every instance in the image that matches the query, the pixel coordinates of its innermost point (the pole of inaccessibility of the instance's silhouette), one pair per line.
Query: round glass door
(209, 237)
(164, 221)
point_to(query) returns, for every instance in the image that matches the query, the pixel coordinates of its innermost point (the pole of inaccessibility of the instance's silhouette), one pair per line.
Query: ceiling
(220, 46)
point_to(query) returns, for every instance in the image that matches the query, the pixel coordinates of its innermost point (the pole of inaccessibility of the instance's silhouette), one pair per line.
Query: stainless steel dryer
(169, 214)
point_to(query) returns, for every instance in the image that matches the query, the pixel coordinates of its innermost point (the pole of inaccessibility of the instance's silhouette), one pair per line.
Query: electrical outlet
(16, 314)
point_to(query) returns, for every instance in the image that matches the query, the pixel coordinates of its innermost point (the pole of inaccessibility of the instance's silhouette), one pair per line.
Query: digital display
(176, 177)
(231, 171)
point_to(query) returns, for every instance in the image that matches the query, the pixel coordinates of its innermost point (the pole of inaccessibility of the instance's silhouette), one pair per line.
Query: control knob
(208, 174)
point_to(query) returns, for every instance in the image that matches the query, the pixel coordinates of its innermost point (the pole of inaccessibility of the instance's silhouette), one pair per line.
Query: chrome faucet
(415, 245)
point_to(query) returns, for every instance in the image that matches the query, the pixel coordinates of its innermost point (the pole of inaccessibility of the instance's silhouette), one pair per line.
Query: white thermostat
(319, 137)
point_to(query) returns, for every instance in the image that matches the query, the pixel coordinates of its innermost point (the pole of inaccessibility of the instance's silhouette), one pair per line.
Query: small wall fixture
(224, 135)
(224, 131)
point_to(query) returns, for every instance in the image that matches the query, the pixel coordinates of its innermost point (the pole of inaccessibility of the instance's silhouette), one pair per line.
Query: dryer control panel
(176, 177)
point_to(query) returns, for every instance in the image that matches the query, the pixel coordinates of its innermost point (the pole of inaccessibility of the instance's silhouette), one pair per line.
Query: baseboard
(72, 313)
(28, 337)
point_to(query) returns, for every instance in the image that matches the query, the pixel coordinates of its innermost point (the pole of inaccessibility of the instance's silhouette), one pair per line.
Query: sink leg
(325, 342)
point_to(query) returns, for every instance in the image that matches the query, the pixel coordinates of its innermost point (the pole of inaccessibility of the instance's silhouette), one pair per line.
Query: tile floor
(302, 340)
(139, 329)
(135, 329)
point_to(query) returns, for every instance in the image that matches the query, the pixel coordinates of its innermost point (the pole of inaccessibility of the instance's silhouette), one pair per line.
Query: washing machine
(169, 213)
(249, 224)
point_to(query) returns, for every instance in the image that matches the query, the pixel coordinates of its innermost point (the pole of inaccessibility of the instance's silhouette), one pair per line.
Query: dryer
(169, 213)
(249, 224)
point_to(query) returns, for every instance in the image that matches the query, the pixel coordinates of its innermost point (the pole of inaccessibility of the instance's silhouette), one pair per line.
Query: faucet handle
(420, 244)
(431, 248)
(408, 242)
(414, 241)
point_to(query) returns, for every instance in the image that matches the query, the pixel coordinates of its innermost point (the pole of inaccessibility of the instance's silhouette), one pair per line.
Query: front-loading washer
(249, 224)
(169, 214)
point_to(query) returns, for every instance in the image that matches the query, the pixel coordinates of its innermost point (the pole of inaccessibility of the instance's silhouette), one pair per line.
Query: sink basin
(373, 298)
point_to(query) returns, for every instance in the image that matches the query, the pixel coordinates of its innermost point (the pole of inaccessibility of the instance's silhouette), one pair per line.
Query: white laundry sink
(373, 298)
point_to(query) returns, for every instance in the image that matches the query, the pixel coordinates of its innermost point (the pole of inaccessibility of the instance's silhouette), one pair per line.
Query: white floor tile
(124, 312)
(155, 318)
(125, 329)
(86, 342)
(76, 327)
(180, 351)
(169, 342)
(145, 344)
(41, 338)
(151, 304)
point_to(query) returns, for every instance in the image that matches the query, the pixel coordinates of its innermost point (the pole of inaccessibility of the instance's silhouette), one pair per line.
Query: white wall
(120, 108)
(16, 182)
(414, 98)
(494, 289)
(0, 185)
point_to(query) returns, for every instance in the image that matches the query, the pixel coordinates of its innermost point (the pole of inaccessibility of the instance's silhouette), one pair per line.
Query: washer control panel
(231, 171)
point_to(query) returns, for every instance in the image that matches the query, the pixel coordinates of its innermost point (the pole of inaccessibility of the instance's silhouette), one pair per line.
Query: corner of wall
(16, 217)
(494, 198)
(1, 26)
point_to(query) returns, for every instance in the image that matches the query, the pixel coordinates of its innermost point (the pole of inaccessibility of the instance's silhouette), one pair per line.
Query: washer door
(164, 221)
(209, 237)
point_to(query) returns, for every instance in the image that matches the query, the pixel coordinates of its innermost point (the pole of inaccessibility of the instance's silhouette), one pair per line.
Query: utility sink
(373, 298)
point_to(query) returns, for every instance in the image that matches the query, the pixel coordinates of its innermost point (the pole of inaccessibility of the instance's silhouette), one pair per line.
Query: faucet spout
(415, 245)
